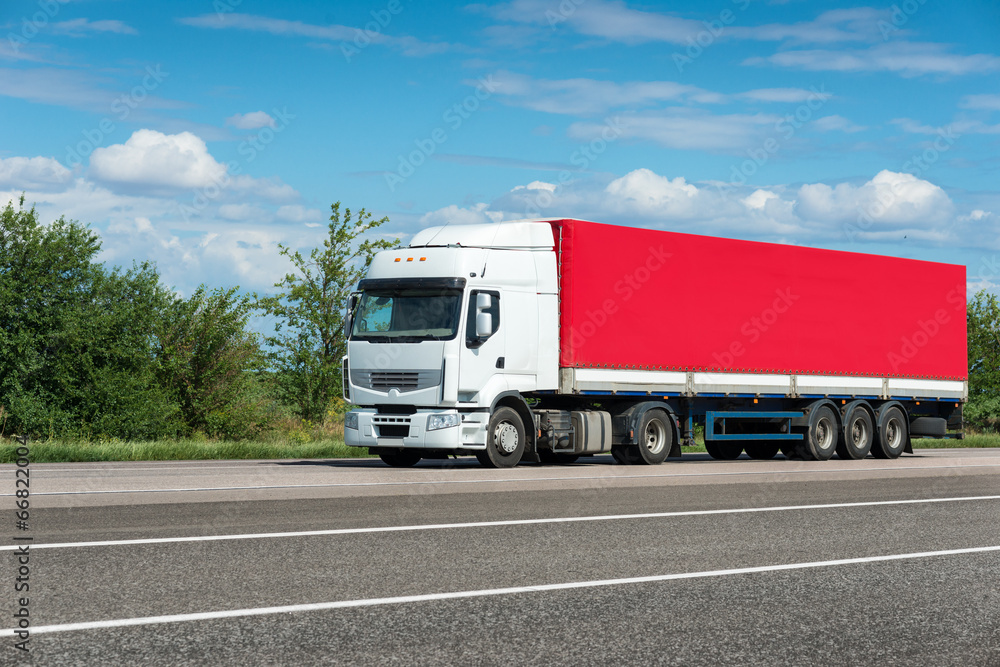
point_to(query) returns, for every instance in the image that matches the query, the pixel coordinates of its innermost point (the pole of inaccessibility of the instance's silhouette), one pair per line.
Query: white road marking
(491, 524)
(458, 595)
(487, 480)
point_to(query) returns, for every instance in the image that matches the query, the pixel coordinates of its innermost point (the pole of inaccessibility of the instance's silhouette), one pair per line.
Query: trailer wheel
(504, 441)
(761, 451)
(857, 434)
(723, 451)
(892, 433)
(400, 458)
(820, 435)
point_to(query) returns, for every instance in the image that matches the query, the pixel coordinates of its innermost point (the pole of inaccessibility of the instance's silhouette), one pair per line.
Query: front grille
(392, 426)
(402, 381)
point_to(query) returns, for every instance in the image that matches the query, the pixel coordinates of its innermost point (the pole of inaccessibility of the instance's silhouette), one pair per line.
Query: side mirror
(352, 303)
(484, 301)
(484, 322)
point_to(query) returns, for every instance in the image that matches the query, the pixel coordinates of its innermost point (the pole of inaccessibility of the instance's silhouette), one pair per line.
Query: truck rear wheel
(819, 438)
(761, 451)
(505, 440)
(723, 451)
(892, 433)
(655, 438)
(400, 458)
(858, 433)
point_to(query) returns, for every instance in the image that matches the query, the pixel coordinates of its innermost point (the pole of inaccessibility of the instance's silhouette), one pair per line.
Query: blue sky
(201, 134)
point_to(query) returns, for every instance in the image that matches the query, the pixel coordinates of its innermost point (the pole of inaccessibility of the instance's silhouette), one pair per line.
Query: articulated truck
(545, 340)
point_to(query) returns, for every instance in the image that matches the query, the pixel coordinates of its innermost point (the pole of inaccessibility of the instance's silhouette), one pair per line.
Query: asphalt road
(351, 562)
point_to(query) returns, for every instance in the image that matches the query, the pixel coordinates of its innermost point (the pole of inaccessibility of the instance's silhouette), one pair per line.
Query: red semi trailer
(550, 339)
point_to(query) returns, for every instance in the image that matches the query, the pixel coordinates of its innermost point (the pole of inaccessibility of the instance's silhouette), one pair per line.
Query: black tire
(858, 432)
(936, 427)
(655, 436)
(820, 436)
(892, 434)
(400, 458)
(552, 458)
(505, 440)
(723, 451)
(761, 451)
(625, 454)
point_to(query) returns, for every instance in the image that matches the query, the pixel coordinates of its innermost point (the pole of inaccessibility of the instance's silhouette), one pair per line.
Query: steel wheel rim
(655, 436)
(505, 437)
(894, 433)
(859, 433)
(824, 433)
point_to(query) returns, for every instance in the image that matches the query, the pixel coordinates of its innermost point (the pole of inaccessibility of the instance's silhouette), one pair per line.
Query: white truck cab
(445, 332)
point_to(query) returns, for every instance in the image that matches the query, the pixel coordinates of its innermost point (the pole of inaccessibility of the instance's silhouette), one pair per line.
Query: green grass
(982, 440)
(56, 451)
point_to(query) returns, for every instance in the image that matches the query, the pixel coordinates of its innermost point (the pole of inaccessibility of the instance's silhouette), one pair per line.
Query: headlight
(351, 420)
(435, 422)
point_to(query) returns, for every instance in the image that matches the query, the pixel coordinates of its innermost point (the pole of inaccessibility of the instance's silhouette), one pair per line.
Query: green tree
(76, 339)
(308, 344)
(983, 409)
(209, 361)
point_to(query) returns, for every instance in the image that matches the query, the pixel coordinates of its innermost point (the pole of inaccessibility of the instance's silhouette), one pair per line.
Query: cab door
(482, 355)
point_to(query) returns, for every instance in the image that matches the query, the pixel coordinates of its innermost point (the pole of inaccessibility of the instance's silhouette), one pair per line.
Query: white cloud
(583, 96)
(618, 22)
(33, 173)
(537, 185)
(597, 18)
(891, 198)
(153, 158)
(836, 123)
(299, 213)
(408, 46)
(644, 192)
(886, 208)
(244, 213)
(951, 131)
(988, 102)
(838, 25)
(904, 58)
(758, 199)
(591, 96)
(692, 129)
(783, 95)
(251, 121)
(455, 215)
(81, 27)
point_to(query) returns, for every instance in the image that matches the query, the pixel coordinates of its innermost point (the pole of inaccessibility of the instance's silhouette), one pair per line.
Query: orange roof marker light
(396, 260)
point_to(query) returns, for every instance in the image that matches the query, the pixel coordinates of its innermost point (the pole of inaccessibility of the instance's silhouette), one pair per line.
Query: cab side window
(471, 339)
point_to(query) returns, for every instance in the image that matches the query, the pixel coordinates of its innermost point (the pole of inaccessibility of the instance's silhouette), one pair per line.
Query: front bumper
(410, 431)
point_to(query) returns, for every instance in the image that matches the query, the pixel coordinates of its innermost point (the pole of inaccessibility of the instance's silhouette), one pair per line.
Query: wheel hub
(505, 437)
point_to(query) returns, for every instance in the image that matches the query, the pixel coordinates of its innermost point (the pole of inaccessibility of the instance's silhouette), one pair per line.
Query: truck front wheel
(399, 458)
(505, 440)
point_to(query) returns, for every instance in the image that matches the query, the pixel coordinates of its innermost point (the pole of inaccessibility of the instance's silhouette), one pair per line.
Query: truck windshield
(407, 315)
